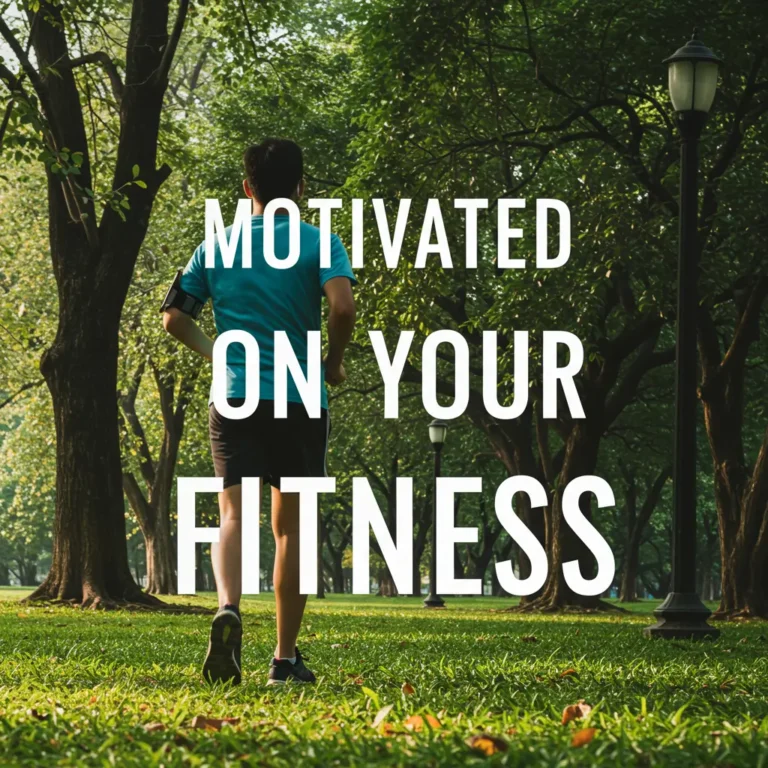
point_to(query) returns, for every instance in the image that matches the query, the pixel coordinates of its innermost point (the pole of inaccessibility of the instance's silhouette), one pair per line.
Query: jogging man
(262, 300)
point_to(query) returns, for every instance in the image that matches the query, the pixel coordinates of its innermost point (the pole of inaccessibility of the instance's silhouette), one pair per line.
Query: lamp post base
(682, 616)
(434, 601)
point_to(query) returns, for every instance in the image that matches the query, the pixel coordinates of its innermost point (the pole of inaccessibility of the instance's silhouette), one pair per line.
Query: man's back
(262, 299)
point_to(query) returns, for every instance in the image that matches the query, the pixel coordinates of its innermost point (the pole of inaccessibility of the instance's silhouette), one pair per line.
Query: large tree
(93, 252)
(560, 98)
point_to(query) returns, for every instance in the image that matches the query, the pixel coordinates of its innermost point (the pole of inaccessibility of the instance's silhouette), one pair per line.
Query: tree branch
(173, 42)
(104, 60)
(29, 385)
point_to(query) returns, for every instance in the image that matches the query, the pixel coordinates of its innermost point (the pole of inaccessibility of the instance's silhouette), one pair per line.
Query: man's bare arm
(188, 332)
(341, 323)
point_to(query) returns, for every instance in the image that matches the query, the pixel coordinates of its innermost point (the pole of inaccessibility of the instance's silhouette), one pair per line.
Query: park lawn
(78, 688)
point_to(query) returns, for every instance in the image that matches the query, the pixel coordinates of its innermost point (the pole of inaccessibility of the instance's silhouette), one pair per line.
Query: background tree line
(131, 114)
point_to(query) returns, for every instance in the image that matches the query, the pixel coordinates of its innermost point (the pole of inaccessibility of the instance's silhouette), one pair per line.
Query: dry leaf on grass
(569, 673)
(340, 645)
(487, 744)
(143, 707)
(575, 712)
(381, 715)
(529, 639)
(582, 737)
(408, 689)
(213, 723)
(37, 715)
(93, 700)
(151, 727)
(416, 722)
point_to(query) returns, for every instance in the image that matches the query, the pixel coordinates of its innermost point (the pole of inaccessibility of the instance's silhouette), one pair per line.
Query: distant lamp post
(437, 432)
(692, 83)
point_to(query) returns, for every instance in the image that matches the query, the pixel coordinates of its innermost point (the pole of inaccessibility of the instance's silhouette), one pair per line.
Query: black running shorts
(266, 447)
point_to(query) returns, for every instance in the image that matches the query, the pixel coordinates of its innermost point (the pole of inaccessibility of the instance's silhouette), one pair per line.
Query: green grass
(97, 678)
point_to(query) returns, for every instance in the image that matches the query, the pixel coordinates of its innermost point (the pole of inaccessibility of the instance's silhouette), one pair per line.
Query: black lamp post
(692, 84)
(437, 432)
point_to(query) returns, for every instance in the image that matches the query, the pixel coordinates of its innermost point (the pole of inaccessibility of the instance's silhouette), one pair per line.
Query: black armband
(178, 298)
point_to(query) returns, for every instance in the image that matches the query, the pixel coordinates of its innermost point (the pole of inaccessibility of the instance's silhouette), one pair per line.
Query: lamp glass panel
(681, 85)
(706, 84)
(437, 433)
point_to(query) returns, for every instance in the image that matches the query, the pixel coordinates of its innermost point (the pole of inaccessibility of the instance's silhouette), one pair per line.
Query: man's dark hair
(273, 168)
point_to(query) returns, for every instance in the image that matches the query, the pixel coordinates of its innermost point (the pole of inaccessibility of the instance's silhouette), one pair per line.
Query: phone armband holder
(179, 299)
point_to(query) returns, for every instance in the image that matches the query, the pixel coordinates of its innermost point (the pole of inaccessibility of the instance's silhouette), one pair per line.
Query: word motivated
(391, 367)
(432, 240)
(397, 551)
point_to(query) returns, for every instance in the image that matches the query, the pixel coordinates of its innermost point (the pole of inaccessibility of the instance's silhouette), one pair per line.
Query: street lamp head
(437, 432)
(692, 76)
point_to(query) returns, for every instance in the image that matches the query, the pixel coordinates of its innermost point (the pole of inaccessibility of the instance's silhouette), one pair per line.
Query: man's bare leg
(226, 556)
(222, 662)
(289, 603)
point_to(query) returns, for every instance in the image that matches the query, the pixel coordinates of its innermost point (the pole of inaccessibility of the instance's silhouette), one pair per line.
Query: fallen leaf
(529, 639)
(93, 700)
(381, 715)
(582, 737)
(569, 673)
(408, 689)
(213, 723)
(487, 744)
(143, 707)
(743, 641)
(152, 727)
(726, 684)
(575, 712)
(416, 722)
(37, 715)
(22, 615)
(340, 645)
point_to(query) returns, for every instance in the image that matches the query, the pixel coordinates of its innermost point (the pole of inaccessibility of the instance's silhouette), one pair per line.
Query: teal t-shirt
(262, 299)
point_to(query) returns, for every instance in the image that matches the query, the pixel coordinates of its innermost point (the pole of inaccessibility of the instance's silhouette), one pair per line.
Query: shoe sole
(220, 664)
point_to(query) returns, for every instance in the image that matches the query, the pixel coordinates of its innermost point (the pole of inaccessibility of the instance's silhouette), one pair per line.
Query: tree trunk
(90, 557)
(161, 576)
(5, 575)
(93, 261)
(386, 583)
(562, 543)
(337, 575)
(637, 526)
(27, 572)
(741, 491)
(320, 595)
